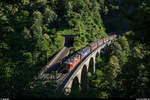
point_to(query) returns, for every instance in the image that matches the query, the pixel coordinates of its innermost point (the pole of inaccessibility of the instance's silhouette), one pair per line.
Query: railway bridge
(79, 75)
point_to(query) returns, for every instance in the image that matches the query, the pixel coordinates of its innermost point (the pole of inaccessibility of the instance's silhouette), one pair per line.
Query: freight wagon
(99, 43)
(93, 46)
(84, 52)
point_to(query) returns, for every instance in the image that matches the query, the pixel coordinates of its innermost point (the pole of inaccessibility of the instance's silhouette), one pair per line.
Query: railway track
(51, 71)
(61, 79)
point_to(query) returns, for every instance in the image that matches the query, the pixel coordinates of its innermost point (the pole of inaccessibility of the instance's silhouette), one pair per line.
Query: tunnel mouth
(69, 40)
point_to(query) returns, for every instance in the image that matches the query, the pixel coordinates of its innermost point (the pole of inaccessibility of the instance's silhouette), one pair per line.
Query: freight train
(72, 61)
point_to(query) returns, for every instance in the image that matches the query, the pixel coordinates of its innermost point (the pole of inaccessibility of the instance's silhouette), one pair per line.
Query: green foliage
(112, 69)
(121, 49)
(138, 13)
(31, 34)
(100, 86)
(99, 63)
(127, 68)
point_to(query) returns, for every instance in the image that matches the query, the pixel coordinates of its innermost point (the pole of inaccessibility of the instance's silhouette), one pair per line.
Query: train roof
(93, 43)
(71, 59)
(100, 40)
(83, 49)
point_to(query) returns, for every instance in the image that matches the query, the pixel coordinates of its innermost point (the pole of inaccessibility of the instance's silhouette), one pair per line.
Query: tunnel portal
(69, 39)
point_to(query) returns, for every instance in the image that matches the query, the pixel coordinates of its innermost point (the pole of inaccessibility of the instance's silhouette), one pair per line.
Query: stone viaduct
(79, 75)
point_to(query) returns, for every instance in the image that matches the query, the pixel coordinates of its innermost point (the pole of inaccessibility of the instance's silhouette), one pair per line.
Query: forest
(31, 34)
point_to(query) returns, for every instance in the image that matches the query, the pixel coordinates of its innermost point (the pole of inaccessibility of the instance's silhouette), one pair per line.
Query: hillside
(31, 34)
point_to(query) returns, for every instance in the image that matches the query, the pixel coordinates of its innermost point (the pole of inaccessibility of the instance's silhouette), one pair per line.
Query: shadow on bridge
(91, 69)
(84, 79)
(75, 86)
